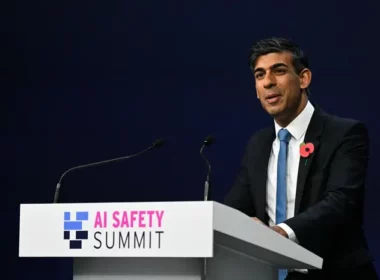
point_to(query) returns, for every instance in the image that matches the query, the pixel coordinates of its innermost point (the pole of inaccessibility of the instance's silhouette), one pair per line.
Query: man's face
(278, 86)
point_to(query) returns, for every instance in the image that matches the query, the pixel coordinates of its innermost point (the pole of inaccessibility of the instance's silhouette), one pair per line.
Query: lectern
(158, 240)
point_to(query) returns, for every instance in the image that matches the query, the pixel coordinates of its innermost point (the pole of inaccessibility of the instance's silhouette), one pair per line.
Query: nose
(269, 81)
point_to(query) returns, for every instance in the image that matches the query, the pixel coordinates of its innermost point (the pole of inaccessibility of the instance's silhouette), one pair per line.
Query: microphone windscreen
(159, 143)
(209, 140)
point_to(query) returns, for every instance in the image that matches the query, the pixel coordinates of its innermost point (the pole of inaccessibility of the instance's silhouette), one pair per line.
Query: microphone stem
(56, 193)
(94, 164)
(103, 162)
(206, 191)
(206, 198)
(208, 181)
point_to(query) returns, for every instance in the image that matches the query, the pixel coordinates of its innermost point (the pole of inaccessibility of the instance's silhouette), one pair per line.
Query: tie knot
(284, 135)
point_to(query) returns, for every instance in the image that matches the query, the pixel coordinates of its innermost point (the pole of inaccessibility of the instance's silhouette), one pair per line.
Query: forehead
(268, 60)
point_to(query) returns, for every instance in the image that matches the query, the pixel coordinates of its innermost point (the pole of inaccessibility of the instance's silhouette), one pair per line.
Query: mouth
(273, 98)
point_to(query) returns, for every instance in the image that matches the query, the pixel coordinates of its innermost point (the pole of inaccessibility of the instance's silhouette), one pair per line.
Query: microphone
(156, 144)
(207, 142)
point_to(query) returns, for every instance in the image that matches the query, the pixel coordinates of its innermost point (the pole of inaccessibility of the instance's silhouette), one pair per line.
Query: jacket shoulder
(260, 138)
(337, 125)
(262, 134)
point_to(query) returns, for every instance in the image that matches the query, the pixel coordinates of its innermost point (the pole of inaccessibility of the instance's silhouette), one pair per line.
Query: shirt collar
(298, 126)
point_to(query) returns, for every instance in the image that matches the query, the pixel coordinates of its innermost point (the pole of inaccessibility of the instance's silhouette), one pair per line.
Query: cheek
(294, 85)
(290, 89)
(261, 97)
(258, 93)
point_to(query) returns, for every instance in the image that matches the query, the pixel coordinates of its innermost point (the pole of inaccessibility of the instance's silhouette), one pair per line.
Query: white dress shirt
(297, 129)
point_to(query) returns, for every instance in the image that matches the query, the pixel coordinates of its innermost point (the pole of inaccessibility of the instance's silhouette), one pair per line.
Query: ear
(305, 78)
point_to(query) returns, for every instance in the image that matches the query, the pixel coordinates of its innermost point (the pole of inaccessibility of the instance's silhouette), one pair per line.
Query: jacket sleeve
(342, 200)
(239, 197)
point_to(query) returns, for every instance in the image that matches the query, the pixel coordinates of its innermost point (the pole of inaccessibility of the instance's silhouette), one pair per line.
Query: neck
(287, 118)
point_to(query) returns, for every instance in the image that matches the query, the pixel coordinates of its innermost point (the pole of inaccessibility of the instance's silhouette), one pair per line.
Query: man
(305, 176)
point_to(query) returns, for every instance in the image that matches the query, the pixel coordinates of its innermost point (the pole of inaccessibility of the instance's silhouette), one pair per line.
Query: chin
(274, 111)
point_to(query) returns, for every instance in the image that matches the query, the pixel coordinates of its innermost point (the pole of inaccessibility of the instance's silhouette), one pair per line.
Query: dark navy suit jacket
(330, 188)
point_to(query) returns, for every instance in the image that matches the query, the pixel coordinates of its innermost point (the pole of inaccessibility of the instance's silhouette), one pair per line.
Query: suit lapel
(261, 170)
(313, 134)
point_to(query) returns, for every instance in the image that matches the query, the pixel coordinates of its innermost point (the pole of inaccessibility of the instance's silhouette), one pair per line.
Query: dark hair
(271, 45)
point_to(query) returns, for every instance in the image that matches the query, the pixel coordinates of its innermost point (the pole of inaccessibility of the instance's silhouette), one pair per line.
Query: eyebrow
(276, 65)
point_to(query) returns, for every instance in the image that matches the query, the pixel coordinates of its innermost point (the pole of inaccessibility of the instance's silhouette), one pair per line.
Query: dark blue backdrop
(92, 80)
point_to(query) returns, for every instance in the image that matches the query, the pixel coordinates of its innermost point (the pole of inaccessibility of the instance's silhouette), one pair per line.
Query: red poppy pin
(306, 149)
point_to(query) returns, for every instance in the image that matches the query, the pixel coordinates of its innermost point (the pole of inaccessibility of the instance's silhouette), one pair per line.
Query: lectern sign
(116, 229)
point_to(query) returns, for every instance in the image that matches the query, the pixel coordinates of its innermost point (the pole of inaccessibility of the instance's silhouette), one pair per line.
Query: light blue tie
(284, 137)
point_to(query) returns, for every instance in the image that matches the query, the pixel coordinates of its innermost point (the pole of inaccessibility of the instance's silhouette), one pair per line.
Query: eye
(259, 75)
(280, 71)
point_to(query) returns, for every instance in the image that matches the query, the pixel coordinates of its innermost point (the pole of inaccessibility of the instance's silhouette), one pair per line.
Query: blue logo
(73, 229)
